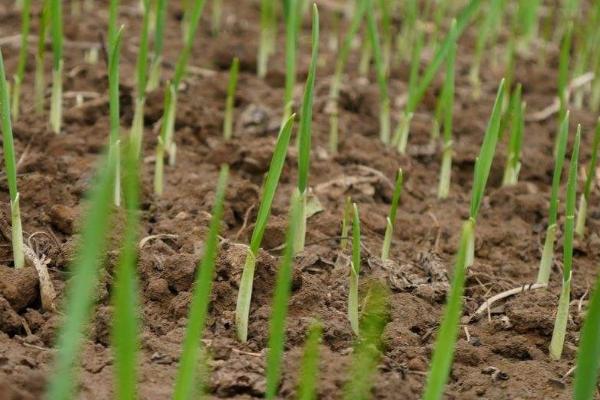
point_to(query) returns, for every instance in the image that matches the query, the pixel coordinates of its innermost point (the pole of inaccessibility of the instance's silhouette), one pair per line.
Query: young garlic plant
(242, 310)
(20, 74)
(137, 125)
(160, 11)
(391, 218)
(309, 368)
(40, 55)
(559, 158)
(562, 314)
(305, 131)
(517, 126)
(483, 164)
(10, 166)
(354, 272)
(230, 101)
(447, 109)
(268, 30)
(57, 67)
(290, 11)
(589, 181)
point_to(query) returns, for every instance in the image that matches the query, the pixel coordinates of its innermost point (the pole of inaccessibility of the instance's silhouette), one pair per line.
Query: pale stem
(445, 172)
(17, 233)
(56, 100)
(560, 323)
(387, 239)
(242, 309)
(581, 216)
(547, 255)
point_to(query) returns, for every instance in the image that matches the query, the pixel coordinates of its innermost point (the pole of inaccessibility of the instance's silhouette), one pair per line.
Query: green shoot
(190, 353)
(113, 16)
(57, 69)
(81, 290)
(229, 102)
(528, 19)
(40, 78)
(513, 160)
(10, 166)
(366, 53)
(336, 82)
(563, 70)
(562, 314)
(386, 33)
(406, 37)
(180, 68)
(268, 30)
(587, 189)
(242, 310)
(126, 326)
(384, 99)
(367, 348)
(309, 368)
(548, 251)
(354, 272)
(445, 343)
(115, 122)
(417, 89)
(162, 139)
(584, 56)
(137, 126)
(483, 164)
(486, 32)
(291, 41)
(391, 218)
(588, 355)
(16, 92)
(157, 45)
(280, 301)
(305, 130)
(347, 215)
(447, 108)
(217, 12)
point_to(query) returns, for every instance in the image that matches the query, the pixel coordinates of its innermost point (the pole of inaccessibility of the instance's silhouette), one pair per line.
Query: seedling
(290, 10)
(562, 314)
(517, 126)
(242, 309)
(367, 348)
(305, 130)
(336, 81)
(115, 121)
(81, 291)
(548, 251)
(588, 355)
(126, 325)
(486, 33)
(309, 368)
(418, 87)
(10, 166)
(159, 164)
(230, 101)
(137, 126)
(563, 71)
(168, 120)
(384, 100)
(483, 164)
(447, 109)
(268, 30)
(445, 343)
(589, 180)
(40, 79)
(18, 78)
(280, 301)
(391, 218)
(57, 67)
(527, 18)
(217, 11)
(157, 45)
(354, 272)
(185, 382)
(386, 31)
(346, 218)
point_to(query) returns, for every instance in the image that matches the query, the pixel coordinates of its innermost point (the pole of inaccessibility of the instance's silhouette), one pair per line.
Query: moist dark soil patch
(504, 357)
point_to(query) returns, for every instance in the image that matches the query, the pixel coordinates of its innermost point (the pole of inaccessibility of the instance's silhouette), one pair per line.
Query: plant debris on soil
(501, 355)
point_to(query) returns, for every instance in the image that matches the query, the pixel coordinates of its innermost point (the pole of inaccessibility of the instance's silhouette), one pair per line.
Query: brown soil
(56, 170)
